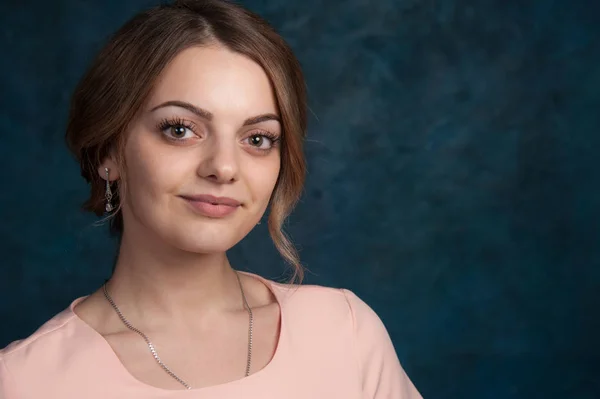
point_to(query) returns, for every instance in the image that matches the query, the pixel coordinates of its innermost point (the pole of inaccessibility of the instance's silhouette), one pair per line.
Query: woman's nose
(220, 162)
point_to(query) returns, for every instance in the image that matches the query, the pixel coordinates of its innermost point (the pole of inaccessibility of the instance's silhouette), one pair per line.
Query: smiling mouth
(211, 206)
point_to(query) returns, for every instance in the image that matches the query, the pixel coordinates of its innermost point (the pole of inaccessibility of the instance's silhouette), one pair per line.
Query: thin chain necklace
(153, 350)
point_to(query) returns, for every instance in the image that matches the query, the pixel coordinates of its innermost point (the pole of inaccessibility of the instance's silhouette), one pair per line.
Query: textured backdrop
(453, 179)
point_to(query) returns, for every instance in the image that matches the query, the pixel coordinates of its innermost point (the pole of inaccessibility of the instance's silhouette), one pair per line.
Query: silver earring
(108, 195)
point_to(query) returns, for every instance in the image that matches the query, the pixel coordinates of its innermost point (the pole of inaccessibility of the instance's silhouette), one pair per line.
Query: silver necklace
(153, 350)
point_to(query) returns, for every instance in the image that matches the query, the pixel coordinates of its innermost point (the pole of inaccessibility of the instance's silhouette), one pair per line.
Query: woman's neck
(163, 284)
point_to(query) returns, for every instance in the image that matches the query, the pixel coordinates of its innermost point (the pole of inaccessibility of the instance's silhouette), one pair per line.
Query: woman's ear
(108, 170)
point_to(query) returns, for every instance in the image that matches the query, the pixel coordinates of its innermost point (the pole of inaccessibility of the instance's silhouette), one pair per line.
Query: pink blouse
(331, 345)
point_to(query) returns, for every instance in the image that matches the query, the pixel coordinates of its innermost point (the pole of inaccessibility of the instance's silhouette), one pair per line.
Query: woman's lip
(211, 199)
(211, 206)
(210, 209)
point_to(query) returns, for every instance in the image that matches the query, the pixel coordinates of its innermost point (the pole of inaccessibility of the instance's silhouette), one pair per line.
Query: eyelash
(271, 136)
(169, 123)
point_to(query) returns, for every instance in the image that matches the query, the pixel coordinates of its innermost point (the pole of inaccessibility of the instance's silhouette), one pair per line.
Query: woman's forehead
(216, 79)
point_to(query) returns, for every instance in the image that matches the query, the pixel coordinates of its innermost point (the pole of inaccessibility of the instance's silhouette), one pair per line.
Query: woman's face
(203, 157)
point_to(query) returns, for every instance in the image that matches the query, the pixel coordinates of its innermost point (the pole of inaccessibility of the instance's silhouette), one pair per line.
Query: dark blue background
(453, 179)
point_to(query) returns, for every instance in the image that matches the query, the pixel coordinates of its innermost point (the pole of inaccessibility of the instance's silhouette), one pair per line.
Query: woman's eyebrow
(261, 118)
(202, 113)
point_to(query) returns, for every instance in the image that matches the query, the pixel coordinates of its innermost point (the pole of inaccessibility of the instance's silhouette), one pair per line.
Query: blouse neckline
(95, 338)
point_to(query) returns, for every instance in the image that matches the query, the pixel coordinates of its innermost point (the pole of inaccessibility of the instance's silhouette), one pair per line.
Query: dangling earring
(108, 195)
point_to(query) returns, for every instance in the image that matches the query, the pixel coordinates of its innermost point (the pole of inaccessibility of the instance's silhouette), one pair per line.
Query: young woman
(189, 127)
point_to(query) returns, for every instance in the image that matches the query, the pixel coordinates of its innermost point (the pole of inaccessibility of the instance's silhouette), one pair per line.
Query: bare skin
(173, 280)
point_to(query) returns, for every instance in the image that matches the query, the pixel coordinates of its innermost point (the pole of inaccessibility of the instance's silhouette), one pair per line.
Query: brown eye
(178, 131)
(262, 141)
(256, 140)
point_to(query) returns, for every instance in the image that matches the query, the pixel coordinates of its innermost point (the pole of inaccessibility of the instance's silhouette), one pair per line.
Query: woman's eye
(260, 141)
(178, 132)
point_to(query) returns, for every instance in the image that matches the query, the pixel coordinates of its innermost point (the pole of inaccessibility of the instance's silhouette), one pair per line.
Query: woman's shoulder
(328, 306)
(336, 320)
(44, 343)
(61, 353)
(46, 329)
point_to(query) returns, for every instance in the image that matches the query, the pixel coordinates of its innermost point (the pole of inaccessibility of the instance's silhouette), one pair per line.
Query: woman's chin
(206, 242)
